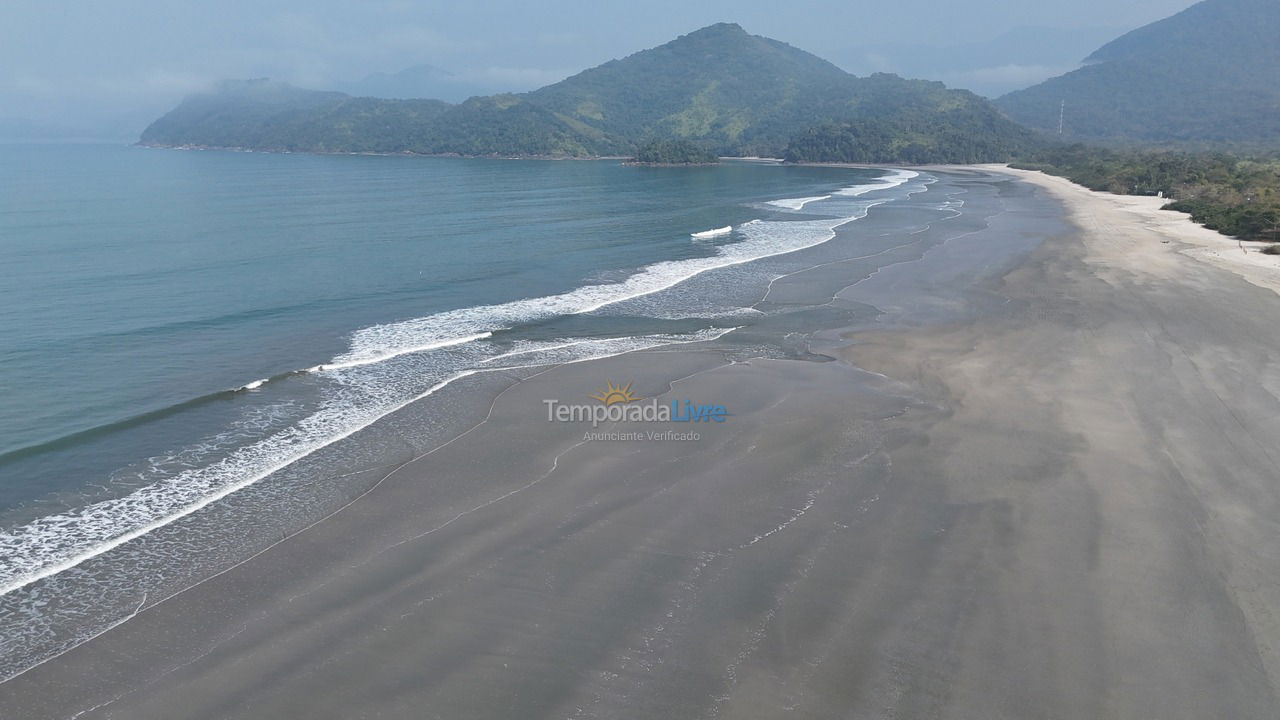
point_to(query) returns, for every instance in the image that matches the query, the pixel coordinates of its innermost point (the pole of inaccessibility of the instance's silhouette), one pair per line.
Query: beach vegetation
(1237, 195)
(914, 138)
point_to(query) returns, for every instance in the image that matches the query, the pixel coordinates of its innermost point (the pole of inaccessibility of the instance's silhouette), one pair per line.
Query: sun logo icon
(615, 394)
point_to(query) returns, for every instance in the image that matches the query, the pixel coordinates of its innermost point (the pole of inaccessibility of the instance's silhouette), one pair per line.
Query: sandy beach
(1244, 258)
(1042, 483)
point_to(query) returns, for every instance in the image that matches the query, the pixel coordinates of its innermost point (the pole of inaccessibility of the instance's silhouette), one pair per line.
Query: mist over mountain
(1210, 74)
(415, 82)
(728, 91)
(991, 67)
(266, 114)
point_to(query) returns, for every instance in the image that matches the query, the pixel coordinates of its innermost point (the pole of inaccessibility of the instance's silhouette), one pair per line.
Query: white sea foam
(529, 347)
(55, 543)
(253, 385)
(891, 180)
(764, 239)
(368, 356)
(717, 232)
(559, 352)
(797, 203)
(887, 182)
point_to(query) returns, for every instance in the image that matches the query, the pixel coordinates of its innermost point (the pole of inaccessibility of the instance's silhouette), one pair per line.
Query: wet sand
(1045, 491)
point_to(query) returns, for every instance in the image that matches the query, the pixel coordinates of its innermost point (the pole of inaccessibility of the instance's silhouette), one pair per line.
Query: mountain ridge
(720, 87)
(1206, 75)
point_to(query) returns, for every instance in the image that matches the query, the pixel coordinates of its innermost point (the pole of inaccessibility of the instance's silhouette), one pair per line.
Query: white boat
(713, 233)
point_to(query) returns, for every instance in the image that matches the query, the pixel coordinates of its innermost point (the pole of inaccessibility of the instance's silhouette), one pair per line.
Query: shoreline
(662, 371)
(1009, 493)
(399, 153)
(1160, 395)
(316, 475)
(1186, 237)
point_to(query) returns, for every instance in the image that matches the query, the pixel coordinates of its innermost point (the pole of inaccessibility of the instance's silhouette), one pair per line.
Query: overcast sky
(119, 62)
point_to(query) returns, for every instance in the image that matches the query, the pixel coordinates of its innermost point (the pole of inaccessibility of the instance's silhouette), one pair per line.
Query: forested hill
(1209, 75)
(721, 88)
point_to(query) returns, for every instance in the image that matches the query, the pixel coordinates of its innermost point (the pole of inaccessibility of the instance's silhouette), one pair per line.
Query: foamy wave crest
(55, 543)
(694, 300)
(715, 232)
(368, 356)
(762, 239)
(887, 182)
(565, 351)
(796, 203)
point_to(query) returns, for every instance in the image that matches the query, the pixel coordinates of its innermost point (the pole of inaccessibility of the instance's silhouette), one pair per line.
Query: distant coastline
(636, 163)
(627, 160)
(371, 153)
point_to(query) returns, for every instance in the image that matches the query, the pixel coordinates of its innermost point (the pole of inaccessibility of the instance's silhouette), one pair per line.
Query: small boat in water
(713, 233)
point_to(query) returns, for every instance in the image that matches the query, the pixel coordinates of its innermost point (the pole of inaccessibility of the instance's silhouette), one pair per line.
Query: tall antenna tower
(1062, 116)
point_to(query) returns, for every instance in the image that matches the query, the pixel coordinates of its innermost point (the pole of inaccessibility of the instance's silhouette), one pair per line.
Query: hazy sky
(119, 62)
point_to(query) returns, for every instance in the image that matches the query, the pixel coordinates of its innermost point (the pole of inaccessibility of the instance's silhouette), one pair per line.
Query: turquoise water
(177, 326)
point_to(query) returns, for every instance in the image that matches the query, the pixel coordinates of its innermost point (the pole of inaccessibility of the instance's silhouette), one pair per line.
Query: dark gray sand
(1051, 492)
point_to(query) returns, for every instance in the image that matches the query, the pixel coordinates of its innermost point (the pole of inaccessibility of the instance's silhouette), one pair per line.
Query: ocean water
(196, 347)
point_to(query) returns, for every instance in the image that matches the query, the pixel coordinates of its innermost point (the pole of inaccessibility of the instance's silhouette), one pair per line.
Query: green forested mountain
(741, 94)
(267, 115)
(1208, 75)
(510, 125)
(728, 92)
(720, 86)
(926, 124)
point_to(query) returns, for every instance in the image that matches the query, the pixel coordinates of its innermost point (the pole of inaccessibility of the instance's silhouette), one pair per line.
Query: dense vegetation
(920, 139)
(1238, 196)
(1205, 77)
(266, 115)
(674, 152)
(719, 87)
